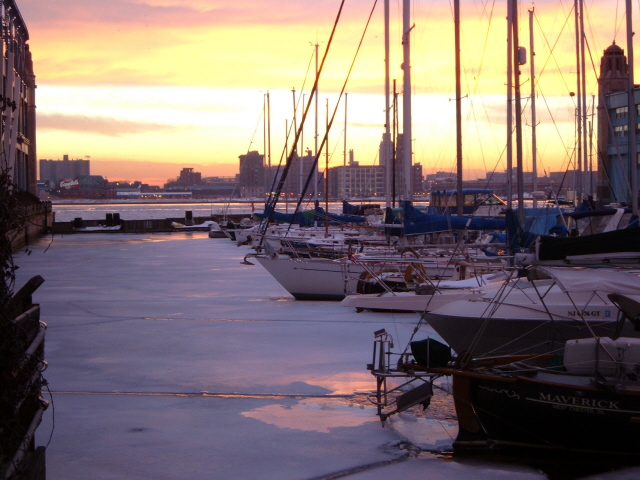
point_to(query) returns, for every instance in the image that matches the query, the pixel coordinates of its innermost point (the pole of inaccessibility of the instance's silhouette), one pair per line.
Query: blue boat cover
(308, 218)
(416, 222)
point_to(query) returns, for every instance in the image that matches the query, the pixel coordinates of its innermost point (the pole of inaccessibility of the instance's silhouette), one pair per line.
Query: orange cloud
(100, 125)
(235, 51)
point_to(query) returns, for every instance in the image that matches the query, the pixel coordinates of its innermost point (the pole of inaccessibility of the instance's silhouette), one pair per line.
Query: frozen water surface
(168, 359)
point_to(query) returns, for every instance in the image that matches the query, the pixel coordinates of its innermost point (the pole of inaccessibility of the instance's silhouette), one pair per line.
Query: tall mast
(460, 194)
(269, 138)
(534, 151)
(265, 178)
(344, 154)
(593, 102)
(295, 129)
(286, 147)
(395, 139)
(406, 100)
(315, 173)
(633, 147)
(583, 72)
(509, 105)
(516, 80)
(576, 8)
(326, 173)
(386, 140)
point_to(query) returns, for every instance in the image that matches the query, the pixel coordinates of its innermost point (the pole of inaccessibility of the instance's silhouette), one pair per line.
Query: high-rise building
(300, 173)
(356, 181)
(251, 178)
(65, 169)
(614, 166)
(189, 178)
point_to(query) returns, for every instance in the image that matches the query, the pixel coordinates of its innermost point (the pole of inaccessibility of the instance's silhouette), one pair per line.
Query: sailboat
(587, 406)
(537, 313)
(533, 373)
(576, 392)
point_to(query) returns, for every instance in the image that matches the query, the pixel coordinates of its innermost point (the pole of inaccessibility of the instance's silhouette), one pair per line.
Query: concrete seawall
(138, 226)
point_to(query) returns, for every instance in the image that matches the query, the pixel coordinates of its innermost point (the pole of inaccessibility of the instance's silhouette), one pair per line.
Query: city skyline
(155, 85)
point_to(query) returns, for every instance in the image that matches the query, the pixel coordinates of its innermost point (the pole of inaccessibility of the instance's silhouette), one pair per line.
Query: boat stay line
(363, 468)
(220, 320)
(209, 394)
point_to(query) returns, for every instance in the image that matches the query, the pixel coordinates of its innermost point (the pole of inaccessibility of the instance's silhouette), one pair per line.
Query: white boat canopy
(575, 279)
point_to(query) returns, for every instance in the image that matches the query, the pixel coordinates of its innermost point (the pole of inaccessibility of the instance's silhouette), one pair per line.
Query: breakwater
(154, 225)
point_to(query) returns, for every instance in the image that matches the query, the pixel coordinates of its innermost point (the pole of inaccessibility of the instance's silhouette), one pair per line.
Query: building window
(622, 112)
(621, 130)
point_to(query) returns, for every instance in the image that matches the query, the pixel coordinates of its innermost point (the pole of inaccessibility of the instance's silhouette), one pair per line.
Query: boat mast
(509, 106)
(386, 140)
(633, 147)
(460, 193)
(315, 173)
(576, 8)
(295, 129)
(286, 147)
(326, 173)
(395, 139)
(517, 61)
(265, 178)
(406, 99)
(344, 154)
(583, 72)
(271, 180)
(534, 153)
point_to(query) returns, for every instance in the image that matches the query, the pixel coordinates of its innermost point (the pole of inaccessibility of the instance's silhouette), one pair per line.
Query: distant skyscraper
(189, 178)
(56, 170)
(252, 175)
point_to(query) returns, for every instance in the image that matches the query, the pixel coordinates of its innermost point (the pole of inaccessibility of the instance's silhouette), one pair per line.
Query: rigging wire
(284, 148)
(476, 90)
(552, 48)
(274, 197)
(324, 139)
(255, 131)
(610, 127)
(617, 26)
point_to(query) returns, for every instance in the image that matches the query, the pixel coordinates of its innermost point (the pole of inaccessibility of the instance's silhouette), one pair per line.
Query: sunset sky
(146, 87)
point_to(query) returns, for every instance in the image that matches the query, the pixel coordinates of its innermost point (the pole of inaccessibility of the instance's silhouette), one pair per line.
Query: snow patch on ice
(426, 434)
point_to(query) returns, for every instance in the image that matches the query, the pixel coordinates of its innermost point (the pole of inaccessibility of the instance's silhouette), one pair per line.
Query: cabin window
(624, 221)
(622, 112)
(591, 225)
(493, 200)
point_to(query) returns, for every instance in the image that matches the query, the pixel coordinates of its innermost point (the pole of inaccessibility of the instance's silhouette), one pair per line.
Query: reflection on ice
(313, 415)
(343, 383)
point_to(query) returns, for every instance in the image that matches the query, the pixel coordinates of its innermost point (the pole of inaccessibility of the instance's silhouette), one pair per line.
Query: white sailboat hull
(314, 279)
(525, 327)
(403, 301)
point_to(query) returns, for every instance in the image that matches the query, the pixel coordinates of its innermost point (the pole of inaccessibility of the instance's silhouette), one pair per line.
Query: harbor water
(169, 359)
